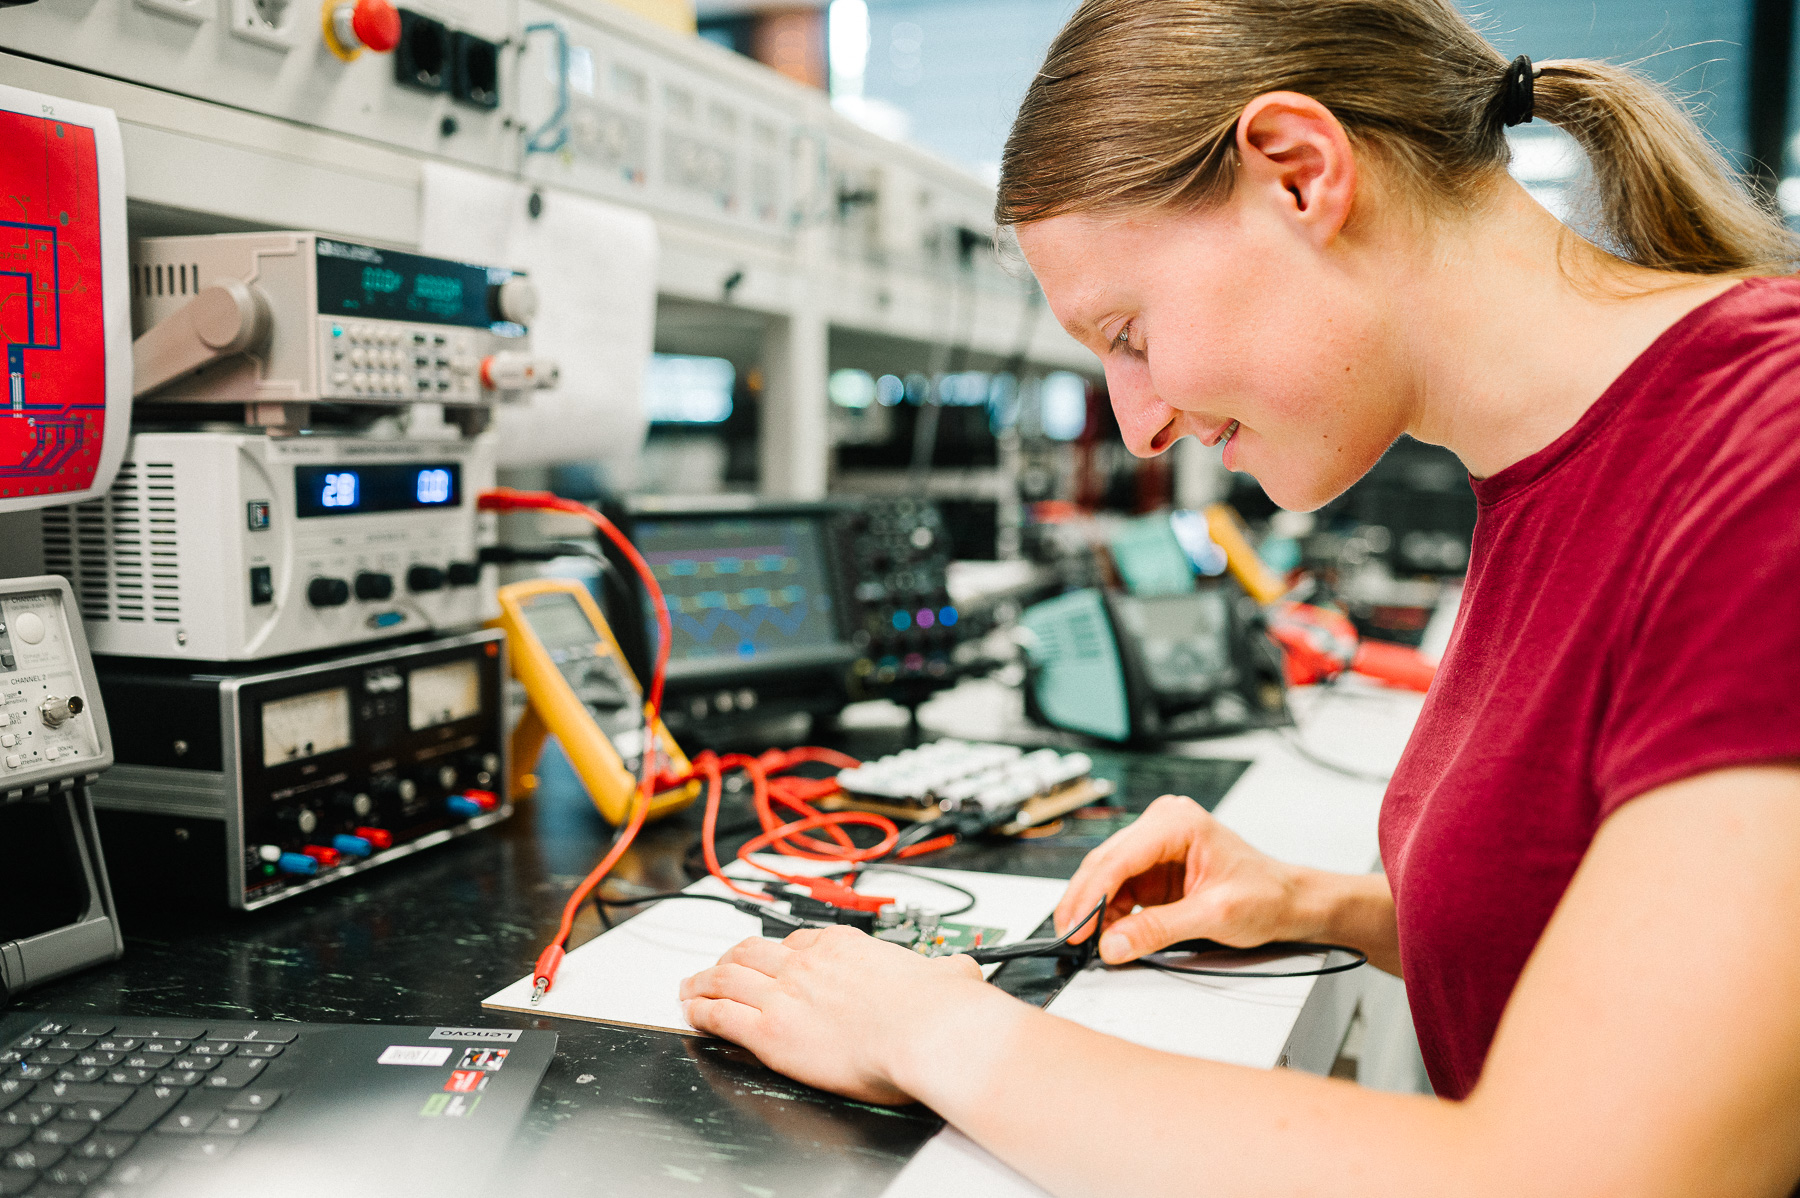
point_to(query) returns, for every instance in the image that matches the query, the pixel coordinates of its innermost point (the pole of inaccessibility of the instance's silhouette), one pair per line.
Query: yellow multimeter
(579, 690)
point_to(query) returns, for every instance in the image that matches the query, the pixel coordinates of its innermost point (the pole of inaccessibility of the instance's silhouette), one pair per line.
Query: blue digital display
(339, 490)
(386, 487)
(434, 486)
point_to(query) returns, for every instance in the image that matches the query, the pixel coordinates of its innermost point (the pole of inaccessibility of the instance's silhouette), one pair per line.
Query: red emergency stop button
(351, 28)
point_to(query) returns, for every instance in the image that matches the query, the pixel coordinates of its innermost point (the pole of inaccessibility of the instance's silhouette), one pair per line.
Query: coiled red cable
(792, 793)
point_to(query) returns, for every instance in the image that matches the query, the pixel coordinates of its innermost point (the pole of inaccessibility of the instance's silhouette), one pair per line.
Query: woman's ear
(1296, 158)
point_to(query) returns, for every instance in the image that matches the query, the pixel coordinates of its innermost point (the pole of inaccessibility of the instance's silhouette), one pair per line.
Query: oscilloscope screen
(750, 590)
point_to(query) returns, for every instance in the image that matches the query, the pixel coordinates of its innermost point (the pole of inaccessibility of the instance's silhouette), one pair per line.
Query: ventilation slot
(120, 553)
(165, 558)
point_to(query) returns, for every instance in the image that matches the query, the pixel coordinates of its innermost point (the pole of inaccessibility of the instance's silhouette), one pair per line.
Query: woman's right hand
(1193, 878)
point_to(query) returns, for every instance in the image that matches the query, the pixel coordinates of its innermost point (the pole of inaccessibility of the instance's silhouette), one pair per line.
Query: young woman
(1287, 226)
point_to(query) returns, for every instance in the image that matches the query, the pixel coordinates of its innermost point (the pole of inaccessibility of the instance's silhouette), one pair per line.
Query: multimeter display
(582, 692)
(384, 487)
(559, 622)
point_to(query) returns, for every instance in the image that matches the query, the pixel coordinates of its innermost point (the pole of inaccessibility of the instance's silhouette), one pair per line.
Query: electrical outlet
(195, 11)
(272, 23)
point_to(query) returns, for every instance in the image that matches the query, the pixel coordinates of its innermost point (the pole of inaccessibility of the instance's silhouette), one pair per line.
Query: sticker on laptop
(412, 1054)
(483, 1058)
(449, 1106)
(466, 1081)
(494, 1035)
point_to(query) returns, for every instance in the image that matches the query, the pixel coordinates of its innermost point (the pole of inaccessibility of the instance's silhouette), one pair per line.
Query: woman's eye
(1123, 340)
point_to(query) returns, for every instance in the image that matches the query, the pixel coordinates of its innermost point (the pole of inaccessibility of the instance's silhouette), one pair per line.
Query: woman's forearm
(1085, 1114)
(1351, 909)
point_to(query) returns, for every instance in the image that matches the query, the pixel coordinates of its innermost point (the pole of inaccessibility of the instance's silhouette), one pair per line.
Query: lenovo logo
(505, 1035)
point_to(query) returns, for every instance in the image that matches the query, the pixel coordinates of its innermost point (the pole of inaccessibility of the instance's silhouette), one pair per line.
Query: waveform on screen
(743, 623)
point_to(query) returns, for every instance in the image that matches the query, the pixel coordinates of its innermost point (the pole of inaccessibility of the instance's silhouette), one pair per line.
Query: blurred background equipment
(1125, 667)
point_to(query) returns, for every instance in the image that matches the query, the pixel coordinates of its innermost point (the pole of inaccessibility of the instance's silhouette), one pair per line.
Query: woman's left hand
(823, 1006)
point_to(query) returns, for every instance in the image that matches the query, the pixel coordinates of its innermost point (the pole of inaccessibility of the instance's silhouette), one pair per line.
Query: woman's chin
(1297, 494)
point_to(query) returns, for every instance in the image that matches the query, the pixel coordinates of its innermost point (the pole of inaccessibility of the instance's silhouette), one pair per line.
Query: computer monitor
(65, 306)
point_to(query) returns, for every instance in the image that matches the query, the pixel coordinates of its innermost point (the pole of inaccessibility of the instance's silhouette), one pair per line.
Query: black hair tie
(1516, 92)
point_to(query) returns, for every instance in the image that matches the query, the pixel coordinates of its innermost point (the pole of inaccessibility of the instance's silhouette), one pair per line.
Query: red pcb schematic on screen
(65, 312)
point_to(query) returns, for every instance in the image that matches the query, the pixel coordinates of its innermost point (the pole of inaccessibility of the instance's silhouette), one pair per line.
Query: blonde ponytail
(1660, 194)
(1137, 102)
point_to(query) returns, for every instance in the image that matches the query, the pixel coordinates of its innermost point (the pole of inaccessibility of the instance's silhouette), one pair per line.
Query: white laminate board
(631, 974)
(1241, 1021)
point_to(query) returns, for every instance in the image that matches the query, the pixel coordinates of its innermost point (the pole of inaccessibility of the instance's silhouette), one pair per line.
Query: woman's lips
(1229, 455)
(1219, 434)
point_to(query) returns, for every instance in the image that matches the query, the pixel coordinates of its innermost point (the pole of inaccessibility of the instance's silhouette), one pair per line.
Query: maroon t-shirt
(1631, 618)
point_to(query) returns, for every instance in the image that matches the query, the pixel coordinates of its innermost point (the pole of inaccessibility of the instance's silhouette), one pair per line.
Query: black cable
(969, 899)
(1358, 959)
(1292, 737)
(1044, 948)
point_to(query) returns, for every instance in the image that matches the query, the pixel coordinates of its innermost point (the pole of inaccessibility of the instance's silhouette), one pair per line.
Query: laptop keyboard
(101, 1109)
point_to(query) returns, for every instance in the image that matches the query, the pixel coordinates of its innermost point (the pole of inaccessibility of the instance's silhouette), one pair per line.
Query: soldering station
(473, 478)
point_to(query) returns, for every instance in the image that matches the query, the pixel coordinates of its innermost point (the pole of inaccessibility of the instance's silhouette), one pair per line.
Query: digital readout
(375, 284)
(386, 487)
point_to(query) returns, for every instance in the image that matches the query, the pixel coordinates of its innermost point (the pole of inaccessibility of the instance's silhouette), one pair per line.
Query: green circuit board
(946, 939)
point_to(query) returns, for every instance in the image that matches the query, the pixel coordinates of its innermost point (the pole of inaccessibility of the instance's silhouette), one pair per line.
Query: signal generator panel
(56, 912)
(347, 323)
(265, 784)
(50, 729)
(238, 546)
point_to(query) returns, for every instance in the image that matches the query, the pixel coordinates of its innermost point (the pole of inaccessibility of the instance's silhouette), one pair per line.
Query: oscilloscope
(757, 607)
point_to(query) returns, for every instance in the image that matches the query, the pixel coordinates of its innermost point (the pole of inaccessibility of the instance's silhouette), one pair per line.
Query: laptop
(116, 1107)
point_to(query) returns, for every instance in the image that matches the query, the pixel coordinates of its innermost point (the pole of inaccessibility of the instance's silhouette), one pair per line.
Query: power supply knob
(351, 28)
(328, 592)
(464, 574)
(370, 585)
(515, 300)
(424, 578)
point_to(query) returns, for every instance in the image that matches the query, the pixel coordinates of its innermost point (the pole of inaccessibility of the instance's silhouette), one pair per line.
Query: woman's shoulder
(1733, 364)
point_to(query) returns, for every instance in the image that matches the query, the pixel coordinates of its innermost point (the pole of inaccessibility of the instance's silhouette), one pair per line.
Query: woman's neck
(1516, 326)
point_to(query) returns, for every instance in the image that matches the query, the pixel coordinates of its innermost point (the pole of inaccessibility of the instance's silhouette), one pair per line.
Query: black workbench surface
(622, 1111)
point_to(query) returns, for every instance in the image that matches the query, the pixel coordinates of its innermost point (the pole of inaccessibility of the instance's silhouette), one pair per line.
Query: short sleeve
(1707, 674)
